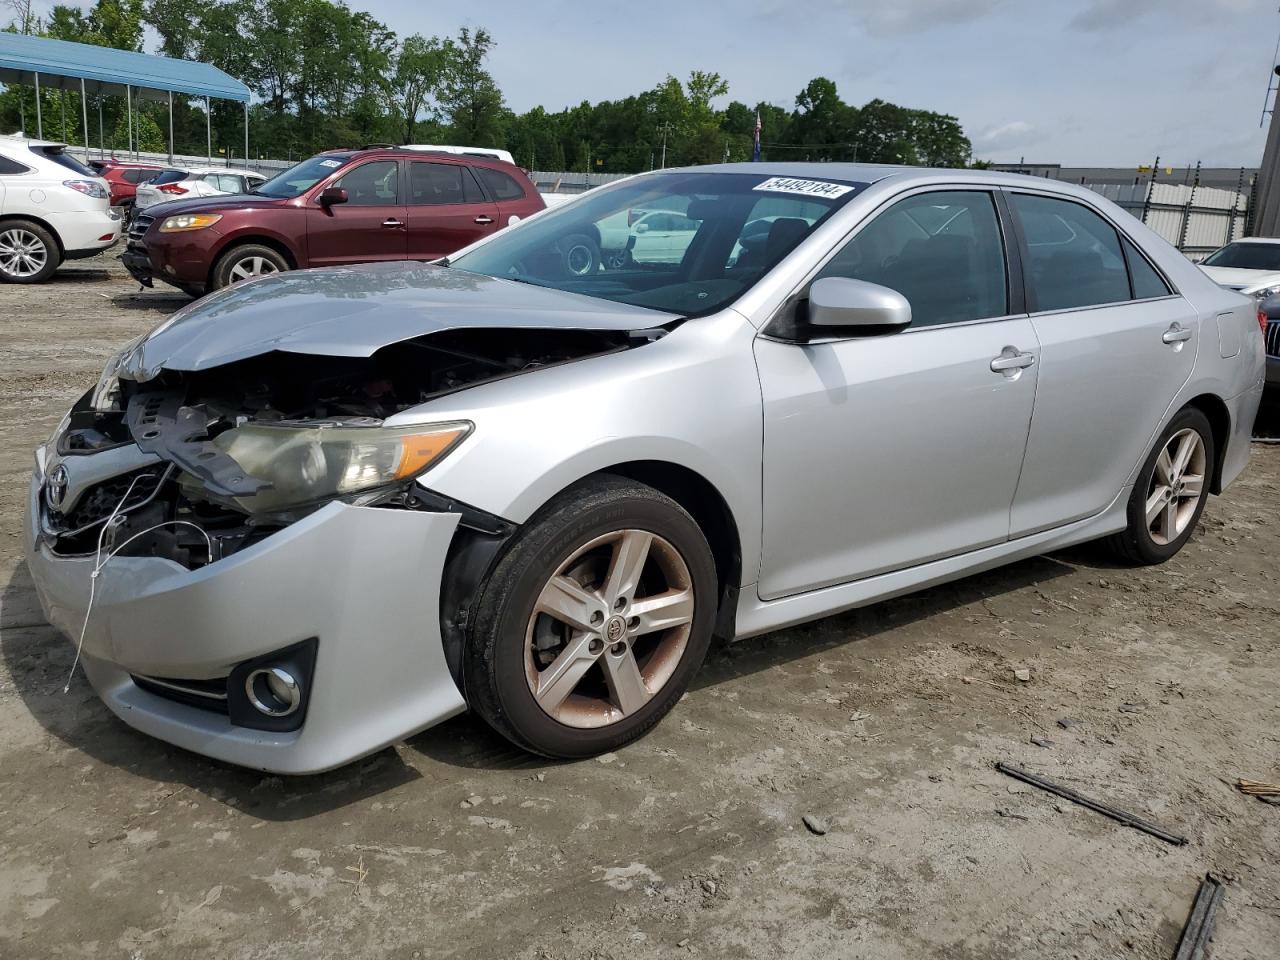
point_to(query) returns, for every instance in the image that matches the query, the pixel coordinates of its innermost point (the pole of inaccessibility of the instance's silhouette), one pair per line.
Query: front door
(447, 210)
(369, 226)
(1117, 347)
(884, 452)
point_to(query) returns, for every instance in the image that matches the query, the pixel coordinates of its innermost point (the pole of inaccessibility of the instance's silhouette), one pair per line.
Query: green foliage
(328, 76)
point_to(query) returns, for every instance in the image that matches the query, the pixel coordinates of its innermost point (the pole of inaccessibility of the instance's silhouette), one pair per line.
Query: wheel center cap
(614, 629)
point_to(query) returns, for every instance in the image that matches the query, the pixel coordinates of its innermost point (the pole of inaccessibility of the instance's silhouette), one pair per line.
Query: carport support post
(39, 112)
(102, 137)
(128, 109)
(208, 129)
(170, 128)
(246, 134)
(84, 113)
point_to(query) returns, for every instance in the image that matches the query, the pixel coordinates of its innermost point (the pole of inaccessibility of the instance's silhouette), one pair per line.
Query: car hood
(1245, 281)
(226, 201)
(354, 311)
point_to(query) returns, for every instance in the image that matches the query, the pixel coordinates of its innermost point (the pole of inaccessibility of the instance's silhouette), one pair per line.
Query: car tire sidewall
(507, 603)
(222, 272)
(53, 256)
(580, 255)
(1148, 550)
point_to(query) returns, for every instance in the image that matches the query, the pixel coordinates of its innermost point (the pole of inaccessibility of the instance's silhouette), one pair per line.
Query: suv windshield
(301, 177)
(1246, 256)
(687, 243)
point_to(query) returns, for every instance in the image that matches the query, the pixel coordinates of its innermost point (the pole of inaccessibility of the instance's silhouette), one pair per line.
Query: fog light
(273, 691)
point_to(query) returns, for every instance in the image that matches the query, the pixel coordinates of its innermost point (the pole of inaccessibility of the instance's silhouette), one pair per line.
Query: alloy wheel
(22, 253)
(1177, 486)
(251, 267)
(579, 259)
(609, 628)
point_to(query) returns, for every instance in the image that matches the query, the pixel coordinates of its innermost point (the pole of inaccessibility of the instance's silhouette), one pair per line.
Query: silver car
(315, 513)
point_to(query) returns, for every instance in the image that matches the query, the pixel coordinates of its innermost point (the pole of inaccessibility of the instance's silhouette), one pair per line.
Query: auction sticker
(806, 188)
(331, 164)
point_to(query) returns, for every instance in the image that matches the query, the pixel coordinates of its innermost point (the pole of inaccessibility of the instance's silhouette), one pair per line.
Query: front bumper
(1273, 372)
(364, 581)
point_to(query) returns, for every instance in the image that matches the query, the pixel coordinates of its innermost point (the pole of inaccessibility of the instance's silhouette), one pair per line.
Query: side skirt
(756, 616)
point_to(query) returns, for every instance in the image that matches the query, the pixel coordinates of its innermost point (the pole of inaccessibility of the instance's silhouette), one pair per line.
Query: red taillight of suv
(1262, 322)
(172, 188)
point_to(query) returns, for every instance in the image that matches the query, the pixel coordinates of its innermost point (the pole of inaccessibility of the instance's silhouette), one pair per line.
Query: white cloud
(1006, 136)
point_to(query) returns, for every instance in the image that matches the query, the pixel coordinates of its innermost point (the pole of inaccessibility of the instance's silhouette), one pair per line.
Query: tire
(1150, 541)
(245, 262)
(579, 255)
(514, 647)
(28, 252)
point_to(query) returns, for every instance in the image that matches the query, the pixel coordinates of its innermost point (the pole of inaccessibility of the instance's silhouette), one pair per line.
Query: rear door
(1117, 344)
(370, 226)
(514, 200)
(447, 209)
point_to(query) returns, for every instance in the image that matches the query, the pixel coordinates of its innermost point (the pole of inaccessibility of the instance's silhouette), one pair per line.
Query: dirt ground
(885, 723)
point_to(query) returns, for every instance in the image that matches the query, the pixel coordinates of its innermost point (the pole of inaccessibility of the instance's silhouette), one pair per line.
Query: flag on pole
(755, 148)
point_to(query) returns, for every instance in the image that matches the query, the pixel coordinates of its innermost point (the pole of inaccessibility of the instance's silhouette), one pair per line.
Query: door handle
(1011, 360)
(1177, 334)
(483, 219)
(392, 222)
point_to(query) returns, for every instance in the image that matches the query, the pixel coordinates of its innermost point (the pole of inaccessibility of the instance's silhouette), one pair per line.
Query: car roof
(204, 171)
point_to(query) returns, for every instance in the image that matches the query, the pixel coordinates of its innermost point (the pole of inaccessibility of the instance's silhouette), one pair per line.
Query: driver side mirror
(331, 195)
(840, 303)
(642, 228)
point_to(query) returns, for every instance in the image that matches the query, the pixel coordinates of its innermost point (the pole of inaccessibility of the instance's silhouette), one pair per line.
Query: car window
(501, 185)
(138, 176)
(1244, 255)
(9, 167)
(1074, 257)
(168, 176)
(942, 251)
(431, 183)
(301, 177)
(59, 156)
(372, 184)
(1147, 282)
(231, 183)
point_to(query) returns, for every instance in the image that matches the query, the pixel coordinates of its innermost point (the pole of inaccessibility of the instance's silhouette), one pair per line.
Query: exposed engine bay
(202, 435)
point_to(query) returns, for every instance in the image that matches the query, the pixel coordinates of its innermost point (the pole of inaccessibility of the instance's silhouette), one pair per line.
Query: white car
(177, 184)
(1250, 265)
(464, 151)
(52, 208)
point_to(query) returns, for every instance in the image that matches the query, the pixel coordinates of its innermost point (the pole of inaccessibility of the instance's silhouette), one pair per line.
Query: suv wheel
(246, 262)
(28, 252)
(1170, 493)
(592, 624)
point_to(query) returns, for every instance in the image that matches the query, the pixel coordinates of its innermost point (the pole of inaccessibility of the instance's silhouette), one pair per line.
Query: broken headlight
(305, 463)
(106, 395)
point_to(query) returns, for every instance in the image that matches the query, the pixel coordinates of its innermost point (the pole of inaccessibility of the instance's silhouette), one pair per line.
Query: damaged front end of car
(234, 526)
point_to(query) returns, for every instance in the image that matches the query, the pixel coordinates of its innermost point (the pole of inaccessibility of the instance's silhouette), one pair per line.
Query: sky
(1076, 82)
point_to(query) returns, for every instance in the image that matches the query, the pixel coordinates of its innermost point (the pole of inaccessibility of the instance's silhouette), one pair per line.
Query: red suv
(123, 178)
(340, 207)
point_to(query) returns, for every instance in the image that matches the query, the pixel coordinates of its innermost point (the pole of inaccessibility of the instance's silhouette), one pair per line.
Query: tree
(419, 69)
(469, 96)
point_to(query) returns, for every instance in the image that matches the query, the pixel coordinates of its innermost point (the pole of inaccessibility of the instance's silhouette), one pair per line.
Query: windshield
(301, 177)
(1246, 256)
(687, 243)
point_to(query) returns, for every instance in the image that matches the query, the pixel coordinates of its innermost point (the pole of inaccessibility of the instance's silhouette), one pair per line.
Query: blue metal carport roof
(109, 71)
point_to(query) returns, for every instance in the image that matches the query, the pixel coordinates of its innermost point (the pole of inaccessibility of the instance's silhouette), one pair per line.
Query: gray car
(315, 513)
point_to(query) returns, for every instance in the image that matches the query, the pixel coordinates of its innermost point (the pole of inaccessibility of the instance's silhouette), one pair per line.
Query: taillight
(172, 188)
(90, 188)
(1262, 322)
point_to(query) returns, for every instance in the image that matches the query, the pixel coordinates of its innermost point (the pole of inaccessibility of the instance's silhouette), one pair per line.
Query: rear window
(140, 176)
(502, 186)
(60, 156)
(169, 176)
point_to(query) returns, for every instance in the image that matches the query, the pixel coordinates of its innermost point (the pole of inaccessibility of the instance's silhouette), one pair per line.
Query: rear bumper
(86, 232)
(1242, 410)
(364, 581)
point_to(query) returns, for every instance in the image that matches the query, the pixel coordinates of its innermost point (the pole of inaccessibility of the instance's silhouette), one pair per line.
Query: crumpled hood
(354, 311)
(1246, 281)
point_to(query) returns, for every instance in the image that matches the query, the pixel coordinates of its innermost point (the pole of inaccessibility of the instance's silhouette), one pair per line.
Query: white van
(465, 151)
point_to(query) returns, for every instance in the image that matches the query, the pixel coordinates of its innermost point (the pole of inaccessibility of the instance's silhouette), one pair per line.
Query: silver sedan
(315, 513)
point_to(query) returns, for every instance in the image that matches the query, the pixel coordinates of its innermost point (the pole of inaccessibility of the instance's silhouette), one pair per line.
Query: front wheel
(593, 623)
(247, 262)
(1170, 493)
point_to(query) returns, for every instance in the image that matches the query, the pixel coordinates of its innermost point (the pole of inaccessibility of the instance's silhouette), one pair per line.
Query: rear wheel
(28, 252)
(246, 262)
(1170, 493)
(591, 626)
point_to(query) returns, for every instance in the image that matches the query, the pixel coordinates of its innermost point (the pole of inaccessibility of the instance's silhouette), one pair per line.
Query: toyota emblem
(55, 487)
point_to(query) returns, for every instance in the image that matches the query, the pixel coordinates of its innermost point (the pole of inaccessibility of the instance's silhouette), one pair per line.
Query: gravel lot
(884, 723)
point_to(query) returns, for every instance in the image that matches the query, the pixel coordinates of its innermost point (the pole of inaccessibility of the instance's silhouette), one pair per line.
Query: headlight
(90, 188)
(307, 463)
(1266, 292)
(189, 221)
(106, 395)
